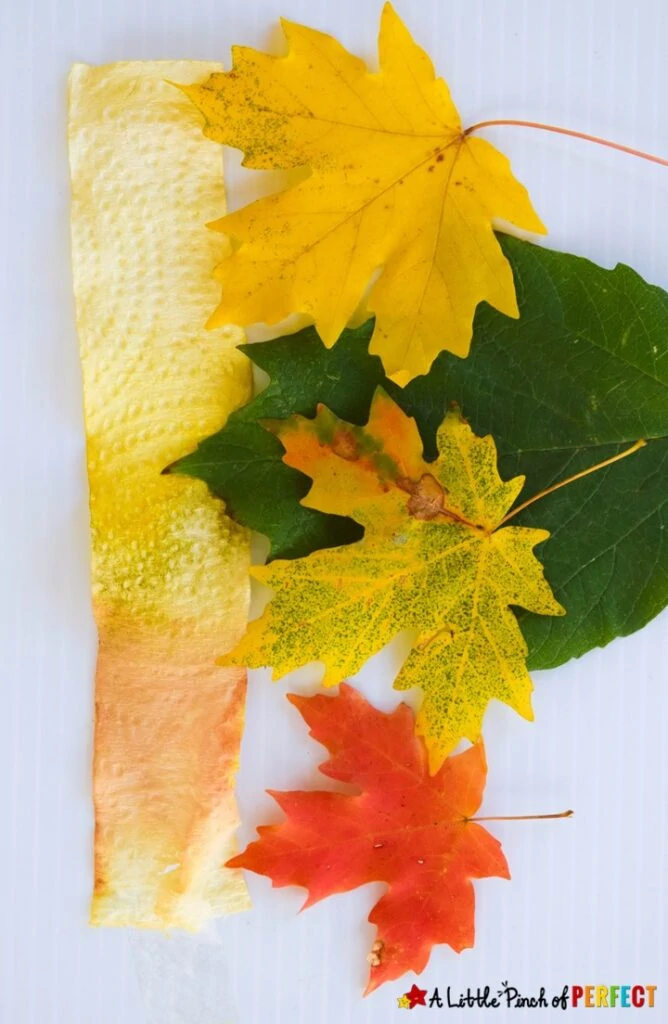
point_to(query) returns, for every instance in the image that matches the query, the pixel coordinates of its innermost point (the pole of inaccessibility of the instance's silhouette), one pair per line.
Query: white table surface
(587, 903)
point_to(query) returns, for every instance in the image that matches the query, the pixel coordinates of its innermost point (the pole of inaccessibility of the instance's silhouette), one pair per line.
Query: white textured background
(587, 903)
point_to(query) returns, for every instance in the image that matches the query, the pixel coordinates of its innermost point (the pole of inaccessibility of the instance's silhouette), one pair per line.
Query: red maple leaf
(403, 827)
(416, 997)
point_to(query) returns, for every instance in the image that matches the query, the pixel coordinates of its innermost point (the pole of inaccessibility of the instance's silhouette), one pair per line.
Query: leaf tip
(389, 11)
(180, 86)
(215, 320)
(376, 978)
(525, 709)
(298, 701)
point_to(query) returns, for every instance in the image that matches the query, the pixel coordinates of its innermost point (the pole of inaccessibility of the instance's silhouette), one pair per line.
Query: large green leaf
(581, 375)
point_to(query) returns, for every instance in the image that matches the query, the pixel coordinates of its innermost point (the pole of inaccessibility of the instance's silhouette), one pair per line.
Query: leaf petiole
(571, 479)
(523, 817)
(572, 133)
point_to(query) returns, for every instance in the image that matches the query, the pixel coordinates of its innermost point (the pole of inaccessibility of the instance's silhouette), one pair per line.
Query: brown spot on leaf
(440, 158)
(427, 497)
(344, 444)
(375, 957)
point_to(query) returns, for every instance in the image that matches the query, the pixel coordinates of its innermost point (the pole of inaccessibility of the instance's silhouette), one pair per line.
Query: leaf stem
(571, 479)
(574, 134)
(523, 817)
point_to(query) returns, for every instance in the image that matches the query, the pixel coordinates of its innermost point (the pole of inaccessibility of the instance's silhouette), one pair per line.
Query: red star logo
(416, 997)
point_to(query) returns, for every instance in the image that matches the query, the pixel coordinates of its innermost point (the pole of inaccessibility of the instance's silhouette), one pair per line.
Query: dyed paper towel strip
(169, 569)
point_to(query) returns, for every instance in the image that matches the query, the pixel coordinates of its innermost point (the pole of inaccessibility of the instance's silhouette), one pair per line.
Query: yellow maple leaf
(435, 559)
(394, 184)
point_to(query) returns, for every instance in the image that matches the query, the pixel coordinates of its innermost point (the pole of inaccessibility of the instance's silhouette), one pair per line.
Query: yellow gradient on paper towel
(170, 571)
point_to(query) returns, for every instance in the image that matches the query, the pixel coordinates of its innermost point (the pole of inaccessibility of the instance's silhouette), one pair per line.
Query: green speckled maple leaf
(435, 559)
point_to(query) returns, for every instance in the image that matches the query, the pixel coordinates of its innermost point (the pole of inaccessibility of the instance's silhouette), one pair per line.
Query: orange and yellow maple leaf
(403, 827)
(394, 184)
(435, 559)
